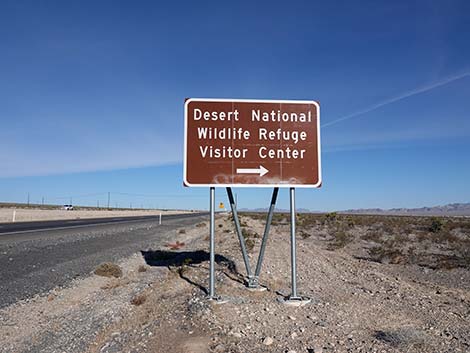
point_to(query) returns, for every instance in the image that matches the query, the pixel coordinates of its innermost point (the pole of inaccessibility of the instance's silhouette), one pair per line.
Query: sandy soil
(25, 215)
(160, 305)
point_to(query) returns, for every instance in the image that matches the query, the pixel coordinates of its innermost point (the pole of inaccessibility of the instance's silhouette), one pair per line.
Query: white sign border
(185, 181)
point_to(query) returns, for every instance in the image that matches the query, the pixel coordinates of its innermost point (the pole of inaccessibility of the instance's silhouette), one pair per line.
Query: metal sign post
(293, 295)
(212, 245)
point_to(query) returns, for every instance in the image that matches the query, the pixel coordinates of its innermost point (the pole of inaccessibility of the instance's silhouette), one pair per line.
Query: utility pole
(109, 197)
(131, 206)
(98, 204)
(28, 198)
(42, 201)
(70, 201)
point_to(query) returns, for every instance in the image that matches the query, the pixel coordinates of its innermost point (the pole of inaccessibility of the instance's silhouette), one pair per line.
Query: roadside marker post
(252, 143)
(160, 219)
(14, 215)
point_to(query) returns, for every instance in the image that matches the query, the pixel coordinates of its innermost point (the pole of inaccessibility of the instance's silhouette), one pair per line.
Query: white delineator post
(160, 219)
(14, 215)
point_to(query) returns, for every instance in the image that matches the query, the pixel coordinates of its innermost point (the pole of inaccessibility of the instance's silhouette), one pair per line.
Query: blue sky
(92, 92)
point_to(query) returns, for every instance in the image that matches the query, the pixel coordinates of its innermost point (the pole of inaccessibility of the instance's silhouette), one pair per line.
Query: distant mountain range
(453, 209)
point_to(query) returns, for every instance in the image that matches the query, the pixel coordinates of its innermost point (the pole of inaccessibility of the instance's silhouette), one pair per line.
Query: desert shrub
(248, 233)
(401, 238)
(142, 268)
(350, 222)
(249, 237)
(422, 236)
(331, 216)
(242, 221)
(250, 244)
(387, 228)
(108, 269)
(200, 225)
(447, 237)
(300, 219)
(387, 255)
(305, 234)
(278, 218)
(139, 300)
(436, 225)
(372, 236)
(341, 239)
(184, 266)
(182, 231)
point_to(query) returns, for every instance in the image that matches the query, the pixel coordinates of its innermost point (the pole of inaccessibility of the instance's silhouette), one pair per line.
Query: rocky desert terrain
(377, 284)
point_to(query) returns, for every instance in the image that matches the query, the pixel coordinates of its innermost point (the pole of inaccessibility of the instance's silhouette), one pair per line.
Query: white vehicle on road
(67, 207)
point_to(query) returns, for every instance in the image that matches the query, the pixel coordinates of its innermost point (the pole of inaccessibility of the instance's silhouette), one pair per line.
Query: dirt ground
(368, 294)
(27, 214)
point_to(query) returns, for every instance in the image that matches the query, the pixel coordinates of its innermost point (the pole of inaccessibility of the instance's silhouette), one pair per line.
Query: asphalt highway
(23, 227)
(38, 256)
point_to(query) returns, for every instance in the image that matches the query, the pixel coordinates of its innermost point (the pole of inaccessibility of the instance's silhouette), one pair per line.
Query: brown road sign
(246, 142)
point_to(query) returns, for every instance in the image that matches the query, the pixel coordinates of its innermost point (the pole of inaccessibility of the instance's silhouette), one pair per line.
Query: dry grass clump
(341, 239)
(249, 237)
(372, 236)
(200, 225)
(139, 299)
(108, 269)
(402, 337)
(279, 219)
(387, 255)
(182, 231)
(142, 268)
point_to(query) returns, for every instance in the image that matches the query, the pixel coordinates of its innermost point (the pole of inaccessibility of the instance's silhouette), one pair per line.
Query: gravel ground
(160, 305)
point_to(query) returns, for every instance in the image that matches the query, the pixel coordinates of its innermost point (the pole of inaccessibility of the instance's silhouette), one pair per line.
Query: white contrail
(398, 98)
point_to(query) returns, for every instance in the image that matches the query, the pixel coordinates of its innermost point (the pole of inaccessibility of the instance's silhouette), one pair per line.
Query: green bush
(436, 225)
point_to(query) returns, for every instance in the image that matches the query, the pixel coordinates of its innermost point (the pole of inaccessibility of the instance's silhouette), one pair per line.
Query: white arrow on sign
(261, 170)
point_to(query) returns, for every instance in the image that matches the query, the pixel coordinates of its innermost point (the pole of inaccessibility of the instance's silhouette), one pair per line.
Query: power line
(156, 196)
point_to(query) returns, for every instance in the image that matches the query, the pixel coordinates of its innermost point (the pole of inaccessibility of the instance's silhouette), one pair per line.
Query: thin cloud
(398, 98)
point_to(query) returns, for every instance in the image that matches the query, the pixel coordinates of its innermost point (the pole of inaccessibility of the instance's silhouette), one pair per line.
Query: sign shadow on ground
(179, 259)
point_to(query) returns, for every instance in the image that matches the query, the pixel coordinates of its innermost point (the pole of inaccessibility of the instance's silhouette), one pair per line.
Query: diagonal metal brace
(253, 281)
(239, 232)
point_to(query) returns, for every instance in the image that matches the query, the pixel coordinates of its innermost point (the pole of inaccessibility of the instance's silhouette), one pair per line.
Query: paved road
(38, 256)
(34, 226)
